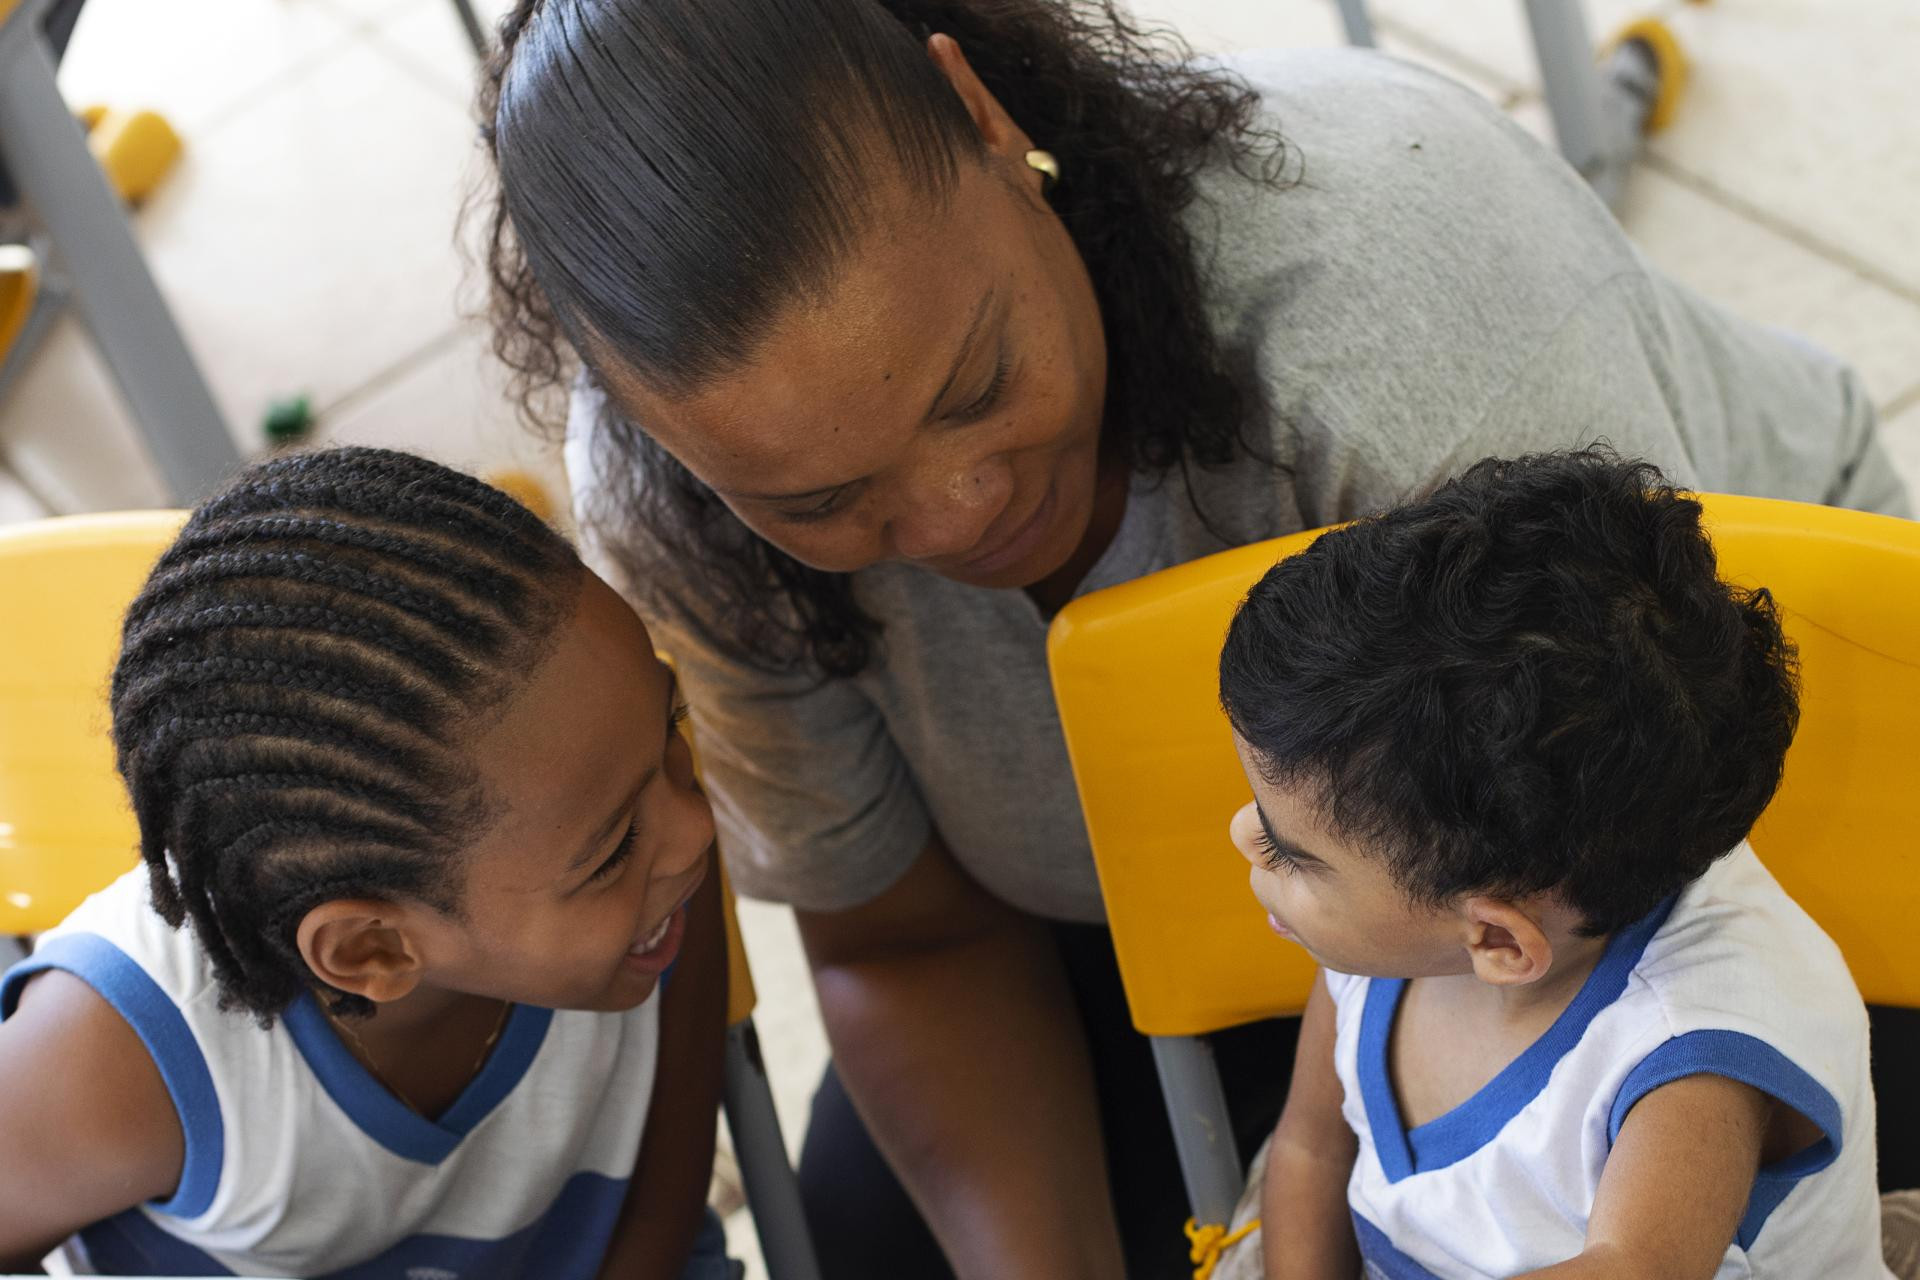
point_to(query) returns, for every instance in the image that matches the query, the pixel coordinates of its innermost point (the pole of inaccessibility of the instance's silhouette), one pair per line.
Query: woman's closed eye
(989, 398)
(831, 505)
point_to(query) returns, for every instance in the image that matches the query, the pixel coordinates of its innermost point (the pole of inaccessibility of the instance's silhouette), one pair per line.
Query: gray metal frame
(773, 1192)
(476, 34)
(115, 295)
(1202, 1126)
(1597, 112)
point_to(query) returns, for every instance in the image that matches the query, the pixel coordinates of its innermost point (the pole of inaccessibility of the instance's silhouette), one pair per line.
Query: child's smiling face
(1332, 898)
(574, 894)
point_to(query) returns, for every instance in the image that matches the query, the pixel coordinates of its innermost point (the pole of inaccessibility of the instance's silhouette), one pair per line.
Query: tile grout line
(1511, 93)
(1899, 404)
(398, 371)
(1736, 204)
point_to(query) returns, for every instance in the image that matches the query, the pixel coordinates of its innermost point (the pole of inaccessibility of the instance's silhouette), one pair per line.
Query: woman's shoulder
(1396, 185)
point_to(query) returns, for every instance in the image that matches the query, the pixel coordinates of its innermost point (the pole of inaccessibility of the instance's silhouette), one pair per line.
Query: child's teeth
(655, 938)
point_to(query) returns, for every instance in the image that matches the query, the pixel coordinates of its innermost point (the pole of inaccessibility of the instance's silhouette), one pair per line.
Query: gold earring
(1048, 168)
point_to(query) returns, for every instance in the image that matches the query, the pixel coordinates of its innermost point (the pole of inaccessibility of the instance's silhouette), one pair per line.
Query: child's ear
(1506, 944)
(362, 947)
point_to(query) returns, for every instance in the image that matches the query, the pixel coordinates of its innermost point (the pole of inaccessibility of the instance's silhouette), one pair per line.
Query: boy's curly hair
(1532, 680)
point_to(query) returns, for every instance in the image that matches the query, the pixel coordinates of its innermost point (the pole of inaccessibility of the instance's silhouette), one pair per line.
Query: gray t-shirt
(1436, 288)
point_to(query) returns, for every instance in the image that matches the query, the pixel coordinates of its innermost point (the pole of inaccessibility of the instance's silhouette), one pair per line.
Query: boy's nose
(1244, 832)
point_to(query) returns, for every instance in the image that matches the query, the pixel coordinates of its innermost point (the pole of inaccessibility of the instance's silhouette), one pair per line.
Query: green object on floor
(288, 420)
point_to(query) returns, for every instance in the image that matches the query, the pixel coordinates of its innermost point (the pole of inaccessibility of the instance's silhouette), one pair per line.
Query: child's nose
(1244, 832)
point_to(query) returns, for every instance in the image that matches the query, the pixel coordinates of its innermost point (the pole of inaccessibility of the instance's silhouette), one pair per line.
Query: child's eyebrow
(1285, 847)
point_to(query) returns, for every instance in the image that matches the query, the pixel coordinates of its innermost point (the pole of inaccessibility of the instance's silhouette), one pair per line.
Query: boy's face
(1333, 899)
(574, 896)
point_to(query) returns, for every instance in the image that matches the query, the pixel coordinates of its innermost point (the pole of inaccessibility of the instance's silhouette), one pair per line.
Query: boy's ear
(361, 946)
(1505, 943)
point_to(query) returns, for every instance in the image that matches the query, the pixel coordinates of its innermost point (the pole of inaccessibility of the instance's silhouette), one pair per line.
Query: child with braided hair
(408, 774)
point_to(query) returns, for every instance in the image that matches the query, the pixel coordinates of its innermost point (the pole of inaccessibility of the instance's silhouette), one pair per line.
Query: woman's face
(939, 405)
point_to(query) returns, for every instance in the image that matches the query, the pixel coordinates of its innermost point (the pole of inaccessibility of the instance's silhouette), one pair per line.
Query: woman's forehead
(870, 355)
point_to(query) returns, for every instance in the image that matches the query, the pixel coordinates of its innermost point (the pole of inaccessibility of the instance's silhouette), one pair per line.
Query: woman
(869, 392)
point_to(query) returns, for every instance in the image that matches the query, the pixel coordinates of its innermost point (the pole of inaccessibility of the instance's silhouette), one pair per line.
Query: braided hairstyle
(672, 174)
(295, 680)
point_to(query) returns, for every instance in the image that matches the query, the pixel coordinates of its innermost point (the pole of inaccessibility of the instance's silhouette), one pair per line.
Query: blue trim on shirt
(1470, 1126)
(1379, 1252)
(136, 997)
(1738, 1056)
(568, 1242)
(386, 1119)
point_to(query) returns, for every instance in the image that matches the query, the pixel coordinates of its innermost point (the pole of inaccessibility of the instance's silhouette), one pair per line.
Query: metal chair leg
(1597, 113)
(773, 1192)
(1354, 17)
(46, 153)
(1202, 1126)
(476, 34)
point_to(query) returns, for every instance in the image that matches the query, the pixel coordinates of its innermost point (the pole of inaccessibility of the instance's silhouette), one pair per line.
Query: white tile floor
(306, 240)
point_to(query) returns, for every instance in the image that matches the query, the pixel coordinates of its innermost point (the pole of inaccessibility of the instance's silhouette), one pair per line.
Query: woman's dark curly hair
(1533, 680)
(295, 683)
(672, 173)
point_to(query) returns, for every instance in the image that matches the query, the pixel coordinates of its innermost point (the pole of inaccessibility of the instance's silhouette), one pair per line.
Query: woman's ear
(362, 947)
(997, 129)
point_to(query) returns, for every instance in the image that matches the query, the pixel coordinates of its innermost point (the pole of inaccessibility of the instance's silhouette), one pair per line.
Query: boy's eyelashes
(619, 856)
(614, 860)
(1278, 858)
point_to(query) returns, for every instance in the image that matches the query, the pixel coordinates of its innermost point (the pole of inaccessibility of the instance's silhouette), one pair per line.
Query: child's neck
(427, 1046)
(1455, 1032)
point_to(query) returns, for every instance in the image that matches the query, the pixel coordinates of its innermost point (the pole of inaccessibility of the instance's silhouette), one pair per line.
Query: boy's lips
(659, 946)
(1273, 922)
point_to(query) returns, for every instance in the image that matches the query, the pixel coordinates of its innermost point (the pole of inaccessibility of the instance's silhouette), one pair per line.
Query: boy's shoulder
(1736, 950)
(1739, 981)
(119, 945)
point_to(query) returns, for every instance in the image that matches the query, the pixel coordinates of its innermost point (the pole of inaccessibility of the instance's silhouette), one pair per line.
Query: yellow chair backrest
(1135, 672)
(65, 827)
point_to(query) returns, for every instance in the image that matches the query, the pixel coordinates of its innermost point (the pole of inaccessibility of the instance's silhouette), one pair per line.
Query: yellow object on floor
(1669, 62)
(19, 285)
(524, 489)
(134, 148)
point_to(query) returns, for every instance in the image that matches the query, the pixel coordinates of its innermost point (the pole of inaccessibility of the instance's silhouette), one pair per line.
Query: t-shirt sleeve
(814, 803)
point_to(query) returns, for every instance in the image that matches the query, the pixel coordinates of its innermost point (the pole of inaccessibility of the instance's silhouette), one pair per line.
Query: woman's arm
(956, 1034)
(88, 1128)
(1306, 1229)
(668, 1193)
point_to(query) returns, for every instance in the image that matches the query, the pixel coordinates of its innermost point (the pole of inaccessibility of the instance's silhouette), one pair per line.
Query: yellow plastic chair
(66, 829)
(1135, 671)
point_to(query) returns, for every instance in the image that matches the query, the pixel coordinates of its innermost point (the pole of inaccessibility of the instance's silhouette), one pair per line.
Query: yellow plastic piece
(1206, 1243)
(19, 285)
(1135, 672)
(524, 489)
(1670, 65)
(134, 148)
(65, 827)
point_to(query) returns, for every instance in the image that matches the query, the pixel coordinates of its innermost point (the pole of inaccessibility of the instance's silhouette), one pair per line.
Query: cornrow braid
(294, 684)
